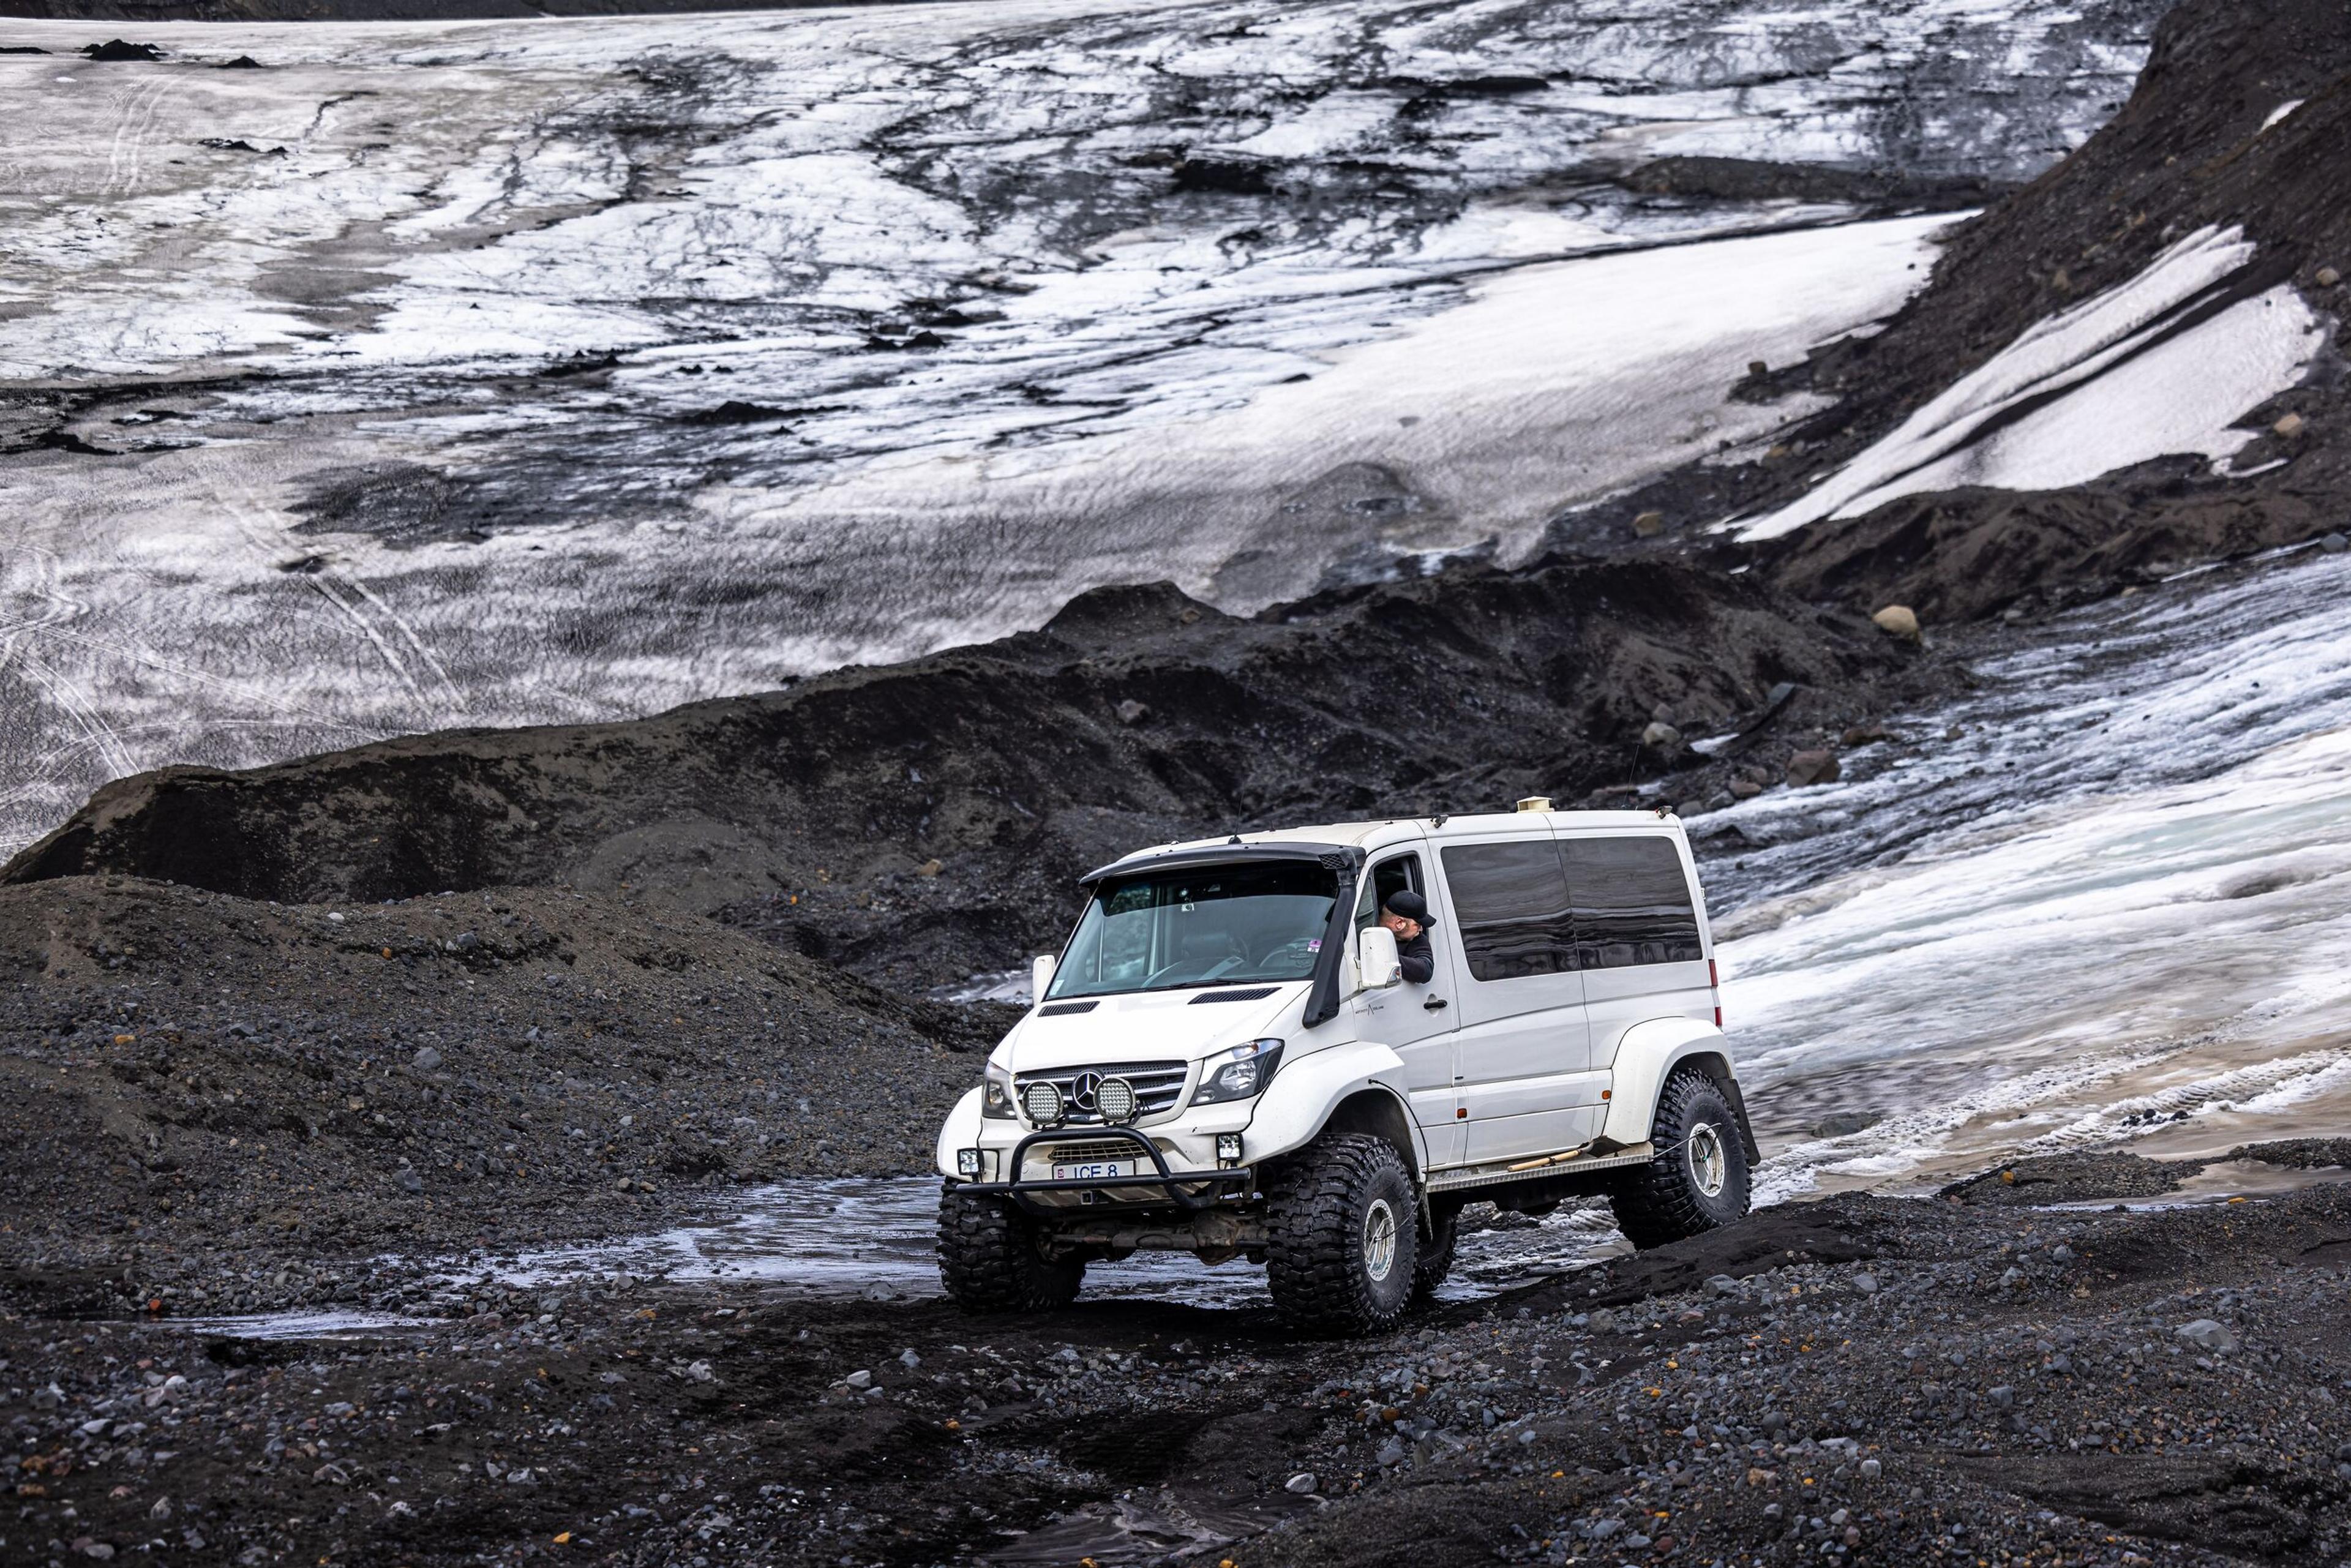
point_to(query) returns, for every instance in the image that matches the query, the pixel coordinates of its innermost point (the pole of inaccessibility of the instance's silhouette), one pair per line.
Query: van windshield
(1199, 925)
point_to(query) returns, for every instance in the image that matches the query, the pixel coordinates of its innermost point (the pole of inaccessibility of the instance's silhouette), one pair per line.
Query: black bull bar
(1168, 1184)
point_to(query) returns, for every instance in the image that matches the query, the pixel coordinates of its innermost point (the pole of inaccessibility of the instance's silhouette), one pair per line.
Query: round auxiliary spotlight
(1116, 1099)
(1042, 1101)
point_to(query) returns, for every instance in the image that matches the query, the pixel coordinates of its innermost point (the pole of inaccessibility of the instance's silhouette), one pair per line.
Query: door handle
(1433, 1003)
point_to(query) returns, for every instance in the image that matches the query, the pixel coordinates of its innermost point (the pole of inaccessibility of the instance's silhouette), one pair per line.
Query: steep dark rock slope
(2193, 147)
(2201, 144)
(927, 818)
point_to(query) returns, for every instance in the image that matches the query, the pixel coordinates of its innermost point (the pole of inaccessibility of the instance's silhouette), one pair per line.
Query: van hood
(1148, 1026)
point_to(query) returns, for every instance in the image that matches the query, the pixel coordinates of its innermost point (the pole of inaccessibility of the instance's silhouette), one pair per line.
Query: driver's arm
(1419, 961)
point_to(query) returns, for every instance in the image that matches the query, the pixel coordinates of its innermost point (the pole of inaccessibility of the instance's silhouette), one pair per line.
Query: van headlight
(996, 1099)
(1238, 1073)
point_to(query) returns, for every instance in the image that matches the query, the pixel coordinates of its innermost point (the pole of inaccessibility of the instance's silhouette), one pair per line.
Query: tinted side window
(1509, 903)
(1632, 903)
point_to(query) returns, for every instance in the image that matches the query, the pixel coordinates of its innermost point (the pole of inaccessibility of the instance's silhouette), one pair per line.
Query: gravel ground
(186, 1078)
(1861, 1380)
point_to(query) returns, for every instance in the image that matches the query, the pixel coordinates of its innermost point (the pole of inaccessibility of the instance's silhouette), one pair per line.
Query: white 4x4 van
(1226, 1059)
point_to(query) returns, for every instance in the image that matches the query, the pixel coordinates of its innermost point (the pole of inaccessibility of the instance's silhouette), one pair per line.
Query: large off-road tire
(1344, 1241)
(991, 1262)
(1434, 1261)
(1699, 1178)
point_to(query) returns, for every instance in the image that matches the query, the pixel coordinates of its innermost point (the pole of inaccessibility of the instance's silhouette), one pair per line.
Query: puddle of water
(324, 1323)
(875, 1237)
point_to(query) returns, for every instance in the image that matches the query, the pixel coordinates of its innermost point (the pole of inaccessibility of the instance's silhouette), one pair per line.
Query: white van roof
(1372, 836)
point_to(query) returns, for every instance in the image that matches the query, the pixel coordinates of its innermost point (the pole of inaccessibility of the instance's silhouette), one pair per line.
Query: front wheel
(992, 1259)
(1345, 1242)
(1698, 1180)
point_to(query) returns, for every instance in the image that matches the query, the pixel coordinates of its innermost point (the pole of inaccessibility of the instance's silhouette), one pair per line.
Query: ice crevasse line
(2163, 364)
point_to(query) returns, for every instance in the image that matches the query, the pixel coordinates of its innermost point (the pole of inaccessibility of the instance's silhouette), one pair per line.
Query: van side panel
(1523, 1054)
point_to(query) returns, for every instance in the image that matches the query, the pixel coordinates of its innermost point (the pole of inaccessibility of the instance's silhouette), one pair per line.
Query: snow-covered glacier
(499, 372)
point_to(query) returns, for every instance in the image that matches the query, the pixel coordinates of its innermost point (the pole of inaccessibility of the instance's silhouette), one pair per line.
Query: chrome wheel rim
(1709, 1166)
(1379, 1239)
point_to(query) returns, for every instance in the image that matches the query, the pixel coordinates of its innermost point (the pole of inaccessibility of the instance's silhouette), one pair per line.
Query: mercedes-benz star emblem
(1082, 1089)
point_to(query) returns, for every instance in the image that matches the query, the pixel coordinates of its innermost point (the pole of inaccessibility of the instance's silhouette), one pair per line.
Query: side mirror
(1375, 958)
(1040, 977)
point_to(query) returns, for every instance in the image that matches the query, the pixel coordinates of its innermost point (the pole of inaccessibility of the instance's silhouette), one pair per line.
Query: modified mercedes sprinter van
(1227, 1058)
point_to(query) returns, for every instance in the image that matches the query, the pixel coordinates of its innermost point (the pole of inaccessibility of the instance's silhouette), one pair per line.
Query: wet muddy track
(1954, 1381)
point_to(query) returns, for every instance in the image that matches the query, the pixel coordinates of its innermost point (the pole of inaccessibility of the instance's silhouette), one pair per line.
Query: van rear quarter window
(1632, 903)
(1511, 903)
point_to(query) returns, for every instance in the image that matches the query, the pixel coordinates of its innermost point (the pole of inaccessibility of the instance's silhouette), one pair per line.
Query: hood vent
(1258, 995)
(1057, 1009)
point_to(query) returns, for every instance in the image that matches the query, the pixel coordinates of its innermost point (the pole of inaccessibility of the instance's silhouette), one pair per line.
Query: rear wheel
(1344, 1241)
(992, 1258)
(1699, 1178)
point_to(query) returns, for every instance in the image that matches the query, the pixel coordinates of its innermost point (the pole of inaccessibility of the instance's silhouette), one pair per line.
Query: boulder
(1898, 620)
(1814, 768)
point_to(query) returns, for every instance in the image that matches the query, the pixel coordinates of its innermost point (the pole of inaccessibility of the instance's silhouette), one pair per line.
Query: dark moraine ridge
(924, 819)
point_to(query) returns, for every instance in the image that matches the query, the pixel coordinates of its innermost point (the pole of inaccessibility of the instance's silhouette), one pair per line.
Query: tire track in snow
(351, 599)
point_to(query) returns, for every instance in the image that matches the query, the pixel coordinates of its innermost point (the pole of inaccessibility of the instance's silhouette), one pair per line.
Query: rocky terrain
(188, 1076)
(1856, 1381)
(326, 1035)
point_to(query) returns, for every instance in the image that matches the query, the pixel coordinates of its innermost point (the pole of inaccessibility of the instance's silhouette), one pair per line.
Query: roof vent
(1535, 803)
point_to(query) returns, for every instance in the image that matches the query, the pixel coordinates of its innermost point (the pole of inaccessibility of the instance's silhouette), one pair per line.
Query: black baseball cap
(1412, 906)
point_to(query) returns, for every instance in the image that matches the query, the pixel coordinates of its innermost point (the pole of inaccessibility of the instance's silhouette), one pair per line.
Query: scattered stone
(908, 1359)
(1301, 1483)
(1862, 735)
(1661, 736)
(930, 867)
(1131, 712)
(242, 63)
(2208, 1334)
(1898, 620)
(1814, 768)
(1722, 1285)
(2328, 277)
(427, 1060)
(1757, 367)
(1866, 1284)
(2288, 427)
(407, 1181)
(1649, 525)
(859, 1379)
(1844, 1123)
(1871, 1470)
(116, 49)
(1392, 1452)
(2333, 544)
(1744, 789)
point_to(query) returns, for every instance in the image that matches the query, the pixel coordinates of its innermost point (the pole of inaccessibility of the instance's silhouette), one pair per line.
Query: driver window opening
(1388, 878)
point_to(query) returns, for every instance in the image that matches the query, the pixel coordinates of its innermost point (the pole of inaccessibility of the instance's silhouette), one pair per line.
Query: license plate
(1099, 1170)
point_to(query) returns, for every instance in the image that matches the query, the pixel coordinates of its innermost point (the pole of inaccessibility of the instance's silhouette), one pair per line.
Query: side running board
(1566, 1163)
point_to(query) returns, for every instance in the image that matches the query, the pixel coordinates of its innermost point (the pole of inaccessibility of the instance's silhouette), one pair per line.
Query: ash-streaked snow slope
(2107, 904)
(490, 374)
(2164, 364)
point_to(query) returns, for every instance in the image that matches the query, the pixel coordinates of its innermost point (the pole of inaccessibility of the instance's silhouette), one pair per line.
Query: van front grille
(1156, 1084)
(1093, 1152)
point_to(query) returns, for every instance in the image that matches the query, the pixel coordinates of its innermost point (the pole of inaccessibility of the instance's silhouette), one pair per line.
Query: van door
(1417, 1021)
(1524, 1050)
(1636, 934)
